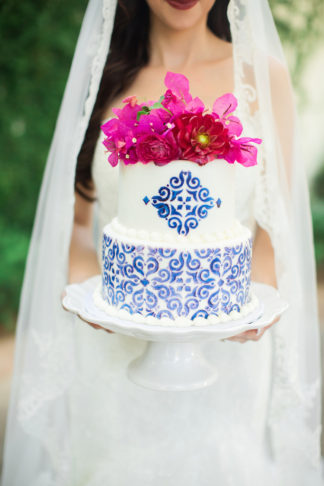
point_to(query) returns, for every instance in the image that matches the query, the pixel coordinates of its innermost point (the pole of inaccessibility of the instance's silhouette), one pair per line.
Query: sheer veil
(39, 442)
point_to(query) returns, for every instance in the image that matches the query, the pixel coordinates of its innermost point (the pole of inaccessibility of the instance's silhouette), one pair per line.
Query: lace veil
(38, 443)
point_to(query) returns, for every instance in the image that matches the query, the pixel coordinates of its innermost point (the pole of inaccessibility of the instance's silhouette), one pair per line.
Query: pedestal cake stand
(173, 359)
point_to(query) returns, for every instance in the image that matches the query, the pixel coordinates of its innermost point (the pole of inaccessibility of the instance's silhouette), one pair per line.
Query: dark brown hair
(128, 53)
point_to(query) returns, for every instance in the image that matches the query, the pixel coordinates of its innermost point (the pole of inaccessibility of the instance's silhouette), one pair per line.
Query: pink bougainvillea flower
(119, 151)
(115, 141)
(132, 100)
(242, 151)
(110, 126)
(195, 106)
(225, 105)
(118, 140)
(179, 86)
(200, 137)
(169, 97)
(223, 108)
(122, 132)
(111, 147)
(175, 105)
(157, 148)
(177, 126)
(128, 113)
(177, 98)
(155, 121)
(130, 157)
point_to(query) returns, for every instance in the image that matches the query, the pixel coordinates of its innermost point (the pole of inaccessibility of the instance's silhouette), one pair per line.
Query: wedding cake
(175, 254)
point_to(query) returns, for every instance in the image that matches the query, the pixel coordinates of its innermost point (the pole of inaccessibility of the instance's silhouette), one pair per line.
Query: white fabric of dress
(74, 417)
(201, 436)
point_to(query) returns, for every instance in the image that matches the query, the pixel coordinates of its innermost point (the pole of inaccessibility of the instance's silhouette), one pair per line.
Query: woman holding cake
(73, 411)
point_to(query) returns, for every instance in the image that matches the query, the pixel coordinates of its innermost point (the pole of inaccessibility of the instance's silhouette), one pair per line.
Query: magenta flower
(177, 127)
(154, 122)
(200, 137)
(242, 151)
(157, 148)
(223, 107)
(177, 98)
(132, 100)
(119, 140)
(115, 141)
(178, 84)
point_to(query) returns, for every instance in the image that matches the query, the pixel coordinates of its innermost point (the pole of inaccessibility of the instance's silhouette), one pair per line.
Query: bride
(74, 417)
(173, 39)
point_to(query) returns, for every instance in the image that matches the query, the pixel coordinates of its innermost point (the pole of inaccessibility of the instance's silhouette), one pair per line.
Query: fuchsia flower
(242, 151)
(157, 148)
(132, 100)
(200, 137)
(223, 108)
(177, 127)
(177, 98)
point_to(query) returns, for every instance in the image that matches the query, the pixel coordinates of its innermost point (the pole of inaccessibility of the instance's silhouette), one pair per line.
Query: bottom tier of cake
(179, 283)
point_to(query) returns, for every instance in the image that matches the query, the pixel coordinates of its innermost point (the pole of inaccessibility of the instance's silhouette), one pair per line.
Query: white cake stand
(173, 359)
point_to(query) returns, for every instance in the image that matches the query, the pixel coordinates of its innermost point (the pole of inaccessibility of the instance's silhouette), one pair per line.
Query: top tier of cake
(179, 199)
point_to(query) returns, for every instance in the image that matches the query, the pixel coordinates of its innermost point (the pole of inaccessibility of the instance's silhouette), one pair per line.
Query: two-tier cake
(175, 254)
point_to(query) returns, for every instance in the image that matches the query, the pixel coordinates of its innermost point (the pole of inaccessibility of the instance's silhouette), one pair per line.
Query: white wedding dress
(127, 435)
(74, 417)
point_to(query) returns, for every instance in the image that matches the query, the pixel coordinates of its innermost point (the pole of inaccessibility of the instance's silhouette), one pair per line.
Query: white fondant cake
(146, 180)
(175, 254)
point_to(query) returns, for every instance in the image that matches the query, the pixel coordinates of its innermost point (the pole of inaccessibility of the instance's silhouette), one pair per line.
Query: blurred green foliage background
(38, 41)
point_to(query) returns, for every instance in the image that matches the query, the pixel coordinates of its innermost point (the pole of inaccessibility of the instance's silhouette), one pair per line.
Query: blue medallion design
(183, 202)
(173, 282)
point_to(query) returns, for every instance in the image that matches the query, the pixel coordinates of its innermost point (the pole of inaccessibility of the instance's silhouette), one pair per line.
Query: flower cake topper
(177, 127)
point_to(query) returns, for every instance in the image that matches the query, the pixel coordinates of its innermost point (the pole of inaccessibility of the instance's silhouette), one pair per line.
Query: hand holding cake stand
(176, 261)
(173, 359)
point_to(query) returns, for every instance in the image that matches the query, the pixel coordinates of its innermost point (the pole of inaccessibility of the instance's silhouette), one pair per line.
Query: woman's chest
(207, 81)
(208, 84)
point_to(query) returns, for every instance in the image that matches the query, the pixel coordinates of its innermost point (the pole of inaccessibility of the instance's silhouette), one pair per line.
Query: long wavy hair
(128, 53)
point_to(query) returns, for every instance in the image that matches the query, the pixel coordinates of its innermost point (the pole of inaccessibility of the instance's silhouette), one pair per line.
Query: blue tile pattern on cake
(171, 282)
(183, 202)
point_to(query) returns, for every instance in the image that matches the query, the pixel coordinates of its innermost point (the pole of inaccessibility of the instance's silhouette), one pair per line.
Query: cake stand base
(173, 359)
(176, 366)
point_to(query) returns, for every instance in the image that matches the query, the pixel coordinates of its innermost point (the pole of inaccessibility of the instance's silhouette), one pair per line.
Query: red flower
(160, 149)
(200, 137)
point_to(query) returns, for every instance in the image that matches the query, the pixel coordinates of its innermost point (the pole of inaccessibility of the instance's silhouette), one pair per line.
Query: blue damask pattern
(170, 282)
(183, 202)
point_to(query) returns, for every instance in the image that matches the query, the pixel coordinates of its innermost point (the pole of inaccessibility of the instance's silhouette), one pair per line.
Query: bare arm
(263, 270)
(263, 260)
(83, 261)
(83, 258)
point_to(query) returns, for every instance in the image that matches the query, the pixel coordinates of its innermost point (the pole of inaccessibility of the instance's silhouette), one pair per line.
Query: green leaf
(157, 105)
(144, 111)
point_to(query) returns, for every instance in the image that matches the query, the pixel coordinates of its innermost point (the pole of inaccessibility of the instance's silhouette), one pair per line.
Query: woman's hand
(263, 270)
(92, 324)
(96, 326)
(253, 335)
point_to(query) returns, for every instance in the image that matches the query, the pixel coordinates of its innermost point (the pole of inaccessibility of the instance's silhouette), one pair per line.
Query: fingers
(97, 326)
(253, 334)
(236, 339)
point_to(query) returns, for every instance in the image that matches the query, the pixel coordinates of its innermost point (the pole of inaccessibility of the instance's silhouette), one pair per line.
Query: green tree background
(38, 40)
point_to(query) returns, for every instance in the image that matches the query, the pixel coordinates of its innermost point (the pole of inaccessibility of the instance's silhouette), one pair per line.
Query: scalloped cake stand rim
(79, 300)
